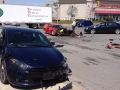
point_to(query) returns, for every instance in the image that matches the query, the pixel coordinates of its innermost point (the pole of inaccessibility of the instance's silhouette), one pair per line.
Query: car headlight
(86, 28)
(19, 64)
(64, 64)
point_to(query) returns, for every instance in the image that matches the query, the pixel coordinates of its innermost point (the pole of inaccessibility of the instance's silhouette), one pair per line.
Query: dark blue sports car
(28, 58)
(104, 27)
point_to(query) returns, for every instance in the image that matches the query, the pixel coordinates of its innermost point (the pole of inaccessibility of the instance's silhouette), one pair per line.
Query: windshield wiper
(16, 45)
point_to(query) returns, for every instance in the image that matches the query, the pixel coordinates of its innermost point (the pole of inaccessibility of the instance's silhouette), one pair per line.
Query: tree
(72, 11)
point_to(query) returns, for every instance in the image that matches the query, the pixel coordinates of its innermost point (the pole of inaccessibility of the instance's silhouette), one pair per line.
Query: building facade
(107, 9)
(87, 9)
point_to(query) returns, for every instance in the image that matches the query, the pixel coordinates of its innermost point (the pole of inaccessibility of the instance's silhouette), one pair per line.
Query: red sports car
(46, 27)
(54, 29)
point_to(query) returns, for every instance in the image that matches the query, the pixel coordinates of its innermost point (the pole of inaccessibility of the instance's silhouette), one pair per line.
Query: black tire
(30, 26)
(34, 26)
(117, 31)
(93, 31)
(3, 73)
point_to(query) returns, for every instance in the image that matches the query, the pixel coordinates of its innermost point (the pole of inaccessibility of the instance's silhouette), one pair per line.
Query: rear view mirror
(53, 43)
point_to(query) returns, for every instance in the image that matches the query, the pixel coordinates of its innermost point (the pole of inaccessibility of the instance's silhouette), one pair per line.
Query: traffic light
(98, 3)
(3, 1)
(47, 5)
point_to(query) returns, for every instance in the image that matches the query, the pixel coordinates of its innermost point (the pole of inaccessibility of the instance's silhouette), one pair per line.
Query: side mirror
(53, 43)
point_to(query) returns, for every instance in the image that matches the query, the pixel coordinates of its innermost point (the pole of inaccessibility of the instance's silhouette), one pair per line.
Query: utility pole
(57, 9)
(91, 11)
(56, 4)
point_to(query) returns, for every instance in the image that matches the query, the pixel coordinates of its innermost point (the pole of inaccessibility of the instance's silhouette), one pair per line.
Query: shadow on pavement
(99, 33)
(59, 46)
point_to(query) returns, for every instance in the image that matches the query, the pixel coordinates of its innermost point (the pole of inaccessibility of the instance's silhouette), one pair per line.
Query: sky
(28, 2)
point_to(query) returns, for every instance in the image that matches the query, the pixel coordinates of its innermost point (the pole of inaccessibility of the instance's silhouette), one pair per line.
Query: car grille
(45, 73)
(45, 69)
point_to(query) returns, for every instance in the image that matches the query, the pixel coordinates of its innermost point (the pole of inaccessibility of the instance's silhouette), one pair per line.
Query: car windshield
(27, 38)
(102, 23)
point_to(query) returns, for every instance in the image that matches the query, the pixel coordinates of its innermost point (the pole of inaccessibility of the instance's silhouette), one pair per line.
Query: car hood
(38, 57)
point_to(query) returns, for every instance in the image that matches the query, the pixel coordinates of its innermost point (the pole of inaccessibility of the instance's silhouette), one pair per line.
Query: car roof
(13, 28)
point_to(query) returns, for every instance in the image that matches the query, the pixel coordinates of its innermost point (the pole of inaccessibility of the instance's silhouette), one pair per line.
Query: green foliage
(62, 21)
(109, 19)
(54, 20)
(70, 21)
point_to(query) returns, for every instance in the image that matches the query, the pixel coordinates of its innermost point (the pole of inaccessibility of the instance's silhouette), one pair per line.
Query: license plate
(48, 75)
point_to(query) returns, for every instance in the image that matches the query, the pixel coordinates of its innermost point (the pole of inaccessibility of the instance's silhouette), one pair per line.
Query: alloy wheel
(34, 26)
(2, 73)
(53, 33)
(93, 31)
(117, 31)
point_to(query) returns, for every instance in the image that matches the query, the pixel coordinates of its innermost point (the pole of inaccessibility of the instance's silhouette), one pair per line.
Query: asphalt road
(94, 67)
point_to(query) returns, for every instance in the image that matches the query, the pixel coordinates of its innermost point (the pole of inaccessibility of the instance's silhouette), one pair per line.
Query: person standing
(73, 28)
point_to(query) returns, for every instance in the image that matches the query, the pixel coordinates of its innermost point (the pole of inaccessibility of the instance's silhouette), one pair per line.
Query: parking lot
(94, 67)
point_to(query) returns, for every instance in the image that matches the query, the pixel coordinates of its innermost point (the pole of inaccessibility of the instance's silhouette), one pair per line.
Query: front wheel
(34, 26)
(53, 33)
(93, 31)
(3, 73)
(117, 31)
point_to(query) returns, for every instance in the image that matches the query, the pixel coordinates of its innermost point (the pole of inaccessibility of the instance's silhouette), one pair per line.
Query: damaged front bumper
(34, 76)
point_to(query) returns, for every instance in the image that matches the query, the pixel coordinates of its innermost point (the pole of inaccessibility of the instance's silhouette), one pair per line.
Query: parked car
(15, 24)
(104, 27)
(78, 22)
(46, 27)
(8, 23)
(53, 29)
(84, 23)
(28, 58)
(118, 21)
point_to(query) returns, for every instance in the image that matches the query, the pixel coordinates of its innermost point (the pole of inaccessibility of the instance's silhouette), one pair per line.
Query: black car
(28, 58)
(104, 27)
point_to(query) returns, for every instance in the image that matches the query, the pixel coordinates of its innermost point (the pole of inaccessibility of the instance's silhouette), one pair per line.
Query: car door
(88, 23)
(47, 28)
(50, 29)
(101, 27)
(111, 27)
